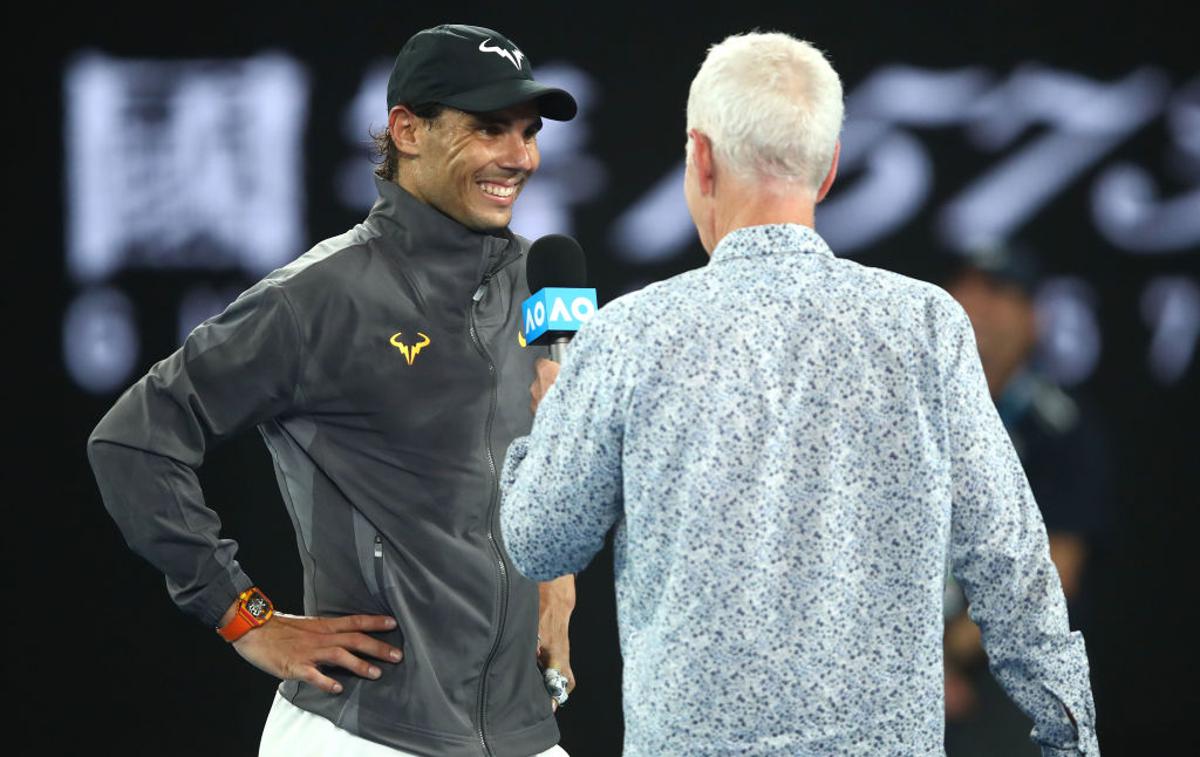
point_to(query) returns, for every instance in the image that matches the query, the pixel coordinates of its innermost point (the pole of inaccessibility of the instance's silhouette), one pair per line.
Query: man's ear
(702, 162)
(829, 177)
(402, 126)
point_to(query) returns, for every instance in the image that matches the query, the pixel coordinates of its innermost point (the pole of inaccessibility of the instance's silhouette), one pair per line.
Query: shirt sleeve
(1000, 555)
(562, 483)
(233, 372)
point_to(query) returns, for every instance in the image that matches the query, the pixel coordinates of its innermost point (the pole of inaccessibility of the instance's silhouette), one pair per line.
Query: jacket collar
(450, 257)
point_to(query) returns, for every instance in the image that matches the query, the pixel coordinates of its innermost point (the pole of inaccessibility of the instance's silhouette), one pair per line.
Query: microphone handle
(558, 349)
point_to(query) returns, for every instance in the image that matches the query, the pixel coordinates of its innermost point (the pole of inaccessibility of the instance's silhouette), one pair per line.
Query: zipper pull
(482, 288)
(378, 546)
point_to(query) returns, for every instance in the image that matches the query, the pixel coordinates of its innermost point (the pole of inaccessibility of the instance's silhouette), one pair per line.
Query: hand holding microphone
(546, 373)
(561, 303)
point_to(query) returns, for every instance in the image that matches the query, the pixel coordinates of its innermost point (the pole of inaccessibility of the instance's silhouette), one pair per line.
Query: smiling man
(384, 372)
(469, 165)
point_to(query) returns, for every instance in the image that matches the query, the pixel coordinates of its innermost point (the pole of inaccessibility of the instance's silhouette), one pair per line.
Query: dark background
(98, 656)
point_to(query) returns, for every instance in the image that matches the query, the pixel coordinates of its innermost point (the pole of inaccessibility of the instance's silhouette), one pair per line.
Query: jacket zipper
(487, 440)
(378, 564)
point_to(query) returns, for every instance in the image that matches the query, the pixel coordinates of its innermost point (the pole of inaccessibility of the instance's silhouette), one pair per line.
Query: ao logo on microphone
(555, 312)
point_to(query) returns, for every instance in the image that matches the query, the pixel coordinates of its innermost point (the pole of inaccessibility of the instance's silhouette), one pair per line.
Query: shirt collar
(1017, 397)
(769, 239)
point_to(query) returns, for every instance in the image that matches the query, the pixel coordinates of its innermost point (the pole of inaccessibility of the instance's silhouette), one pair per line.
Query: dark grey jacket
(386, 457)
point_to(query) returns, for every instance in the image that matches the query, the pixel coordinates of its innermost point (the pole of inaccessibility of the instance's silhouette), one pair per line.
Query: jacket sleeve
(1000, 555)
(562, 483)
(233, 372)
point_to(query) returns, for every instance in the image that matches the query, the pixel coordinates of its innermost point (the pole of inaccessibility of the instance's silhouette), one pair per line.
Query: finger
(351, 623)
(363, 644)
(314, 677)
(343, 659)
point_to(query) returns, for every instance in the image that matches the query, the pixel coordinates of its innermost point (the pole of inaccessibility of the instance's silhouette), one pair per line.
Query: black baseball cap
(473, 69)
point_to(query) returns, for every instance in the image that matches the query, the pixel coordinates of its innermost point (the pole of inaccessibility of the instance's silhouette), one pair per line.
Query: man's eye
(492, 130)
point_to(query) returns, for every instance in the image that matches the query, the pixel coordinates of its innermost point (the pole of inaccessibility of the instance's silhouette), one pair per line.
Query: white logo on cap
(514, 57)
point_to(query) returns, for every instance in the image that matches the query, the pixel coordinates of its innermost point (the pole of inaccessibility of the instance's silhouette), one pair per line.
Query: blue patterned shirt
(792, 447)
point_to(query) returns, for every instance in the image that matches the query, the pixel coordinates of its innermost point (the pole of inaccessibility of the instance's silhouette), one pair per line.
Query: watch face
(258, 606)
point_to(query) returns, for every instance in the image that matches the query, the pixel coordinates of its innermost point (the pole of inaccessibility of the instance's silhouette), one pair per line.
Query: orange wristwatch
(253, 609)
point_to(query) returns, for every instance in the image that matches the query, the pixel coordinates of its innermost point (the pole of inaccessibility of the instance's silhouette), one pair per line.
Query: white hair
(771, 105)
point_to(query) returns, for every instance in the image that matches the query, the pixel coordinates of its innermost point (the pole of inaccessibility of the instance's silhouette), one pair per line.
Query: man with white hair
(791, 447)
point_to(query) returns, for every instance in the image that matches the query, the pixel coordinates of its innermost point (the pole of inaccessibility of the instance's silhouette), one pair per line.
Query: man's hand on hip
(292, 647)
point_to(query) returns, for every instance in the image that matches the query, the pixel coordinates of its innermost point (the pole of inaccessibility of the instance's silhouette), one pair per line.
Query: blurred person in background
(383, 369)
(1061, 445)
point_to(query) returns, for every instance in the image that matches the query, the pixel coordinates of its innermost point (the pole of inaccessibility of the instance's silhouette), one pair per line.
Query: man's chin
(486, 220)
(489, 222)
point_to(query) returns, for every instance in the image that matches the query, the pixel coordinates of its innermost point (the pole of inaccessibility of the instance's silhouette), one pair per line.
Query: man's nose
(518, 153)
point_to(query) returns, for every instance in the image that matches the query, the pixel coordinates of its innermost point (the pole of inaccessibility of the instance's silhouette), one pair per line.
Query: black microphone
(557, 274)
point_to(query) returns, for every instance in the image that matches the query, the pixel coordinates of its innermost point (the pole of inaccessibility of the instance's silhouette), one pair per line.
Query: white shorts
(293, 732)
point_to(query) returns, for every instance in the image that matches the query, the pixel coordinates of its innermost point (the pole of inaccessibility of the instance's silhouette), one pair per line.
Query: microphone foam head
(555, 260)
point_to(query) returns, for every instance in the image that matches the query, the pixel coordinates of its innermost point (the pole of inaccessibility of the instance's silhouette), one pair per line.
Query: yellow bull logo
(409, 351)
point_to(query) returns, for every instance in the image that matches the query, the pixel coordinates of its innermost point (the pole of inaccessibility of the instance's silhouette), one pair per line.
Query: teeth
(499, 190)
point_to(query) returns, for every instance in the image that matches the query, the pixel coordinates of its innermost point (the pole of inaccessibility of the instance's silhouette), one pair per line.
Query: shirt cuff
(211, 603)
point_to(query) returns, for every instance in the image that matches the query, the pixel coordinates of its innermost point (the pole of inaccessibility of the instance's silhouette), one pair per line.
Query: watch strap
(253, 610)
